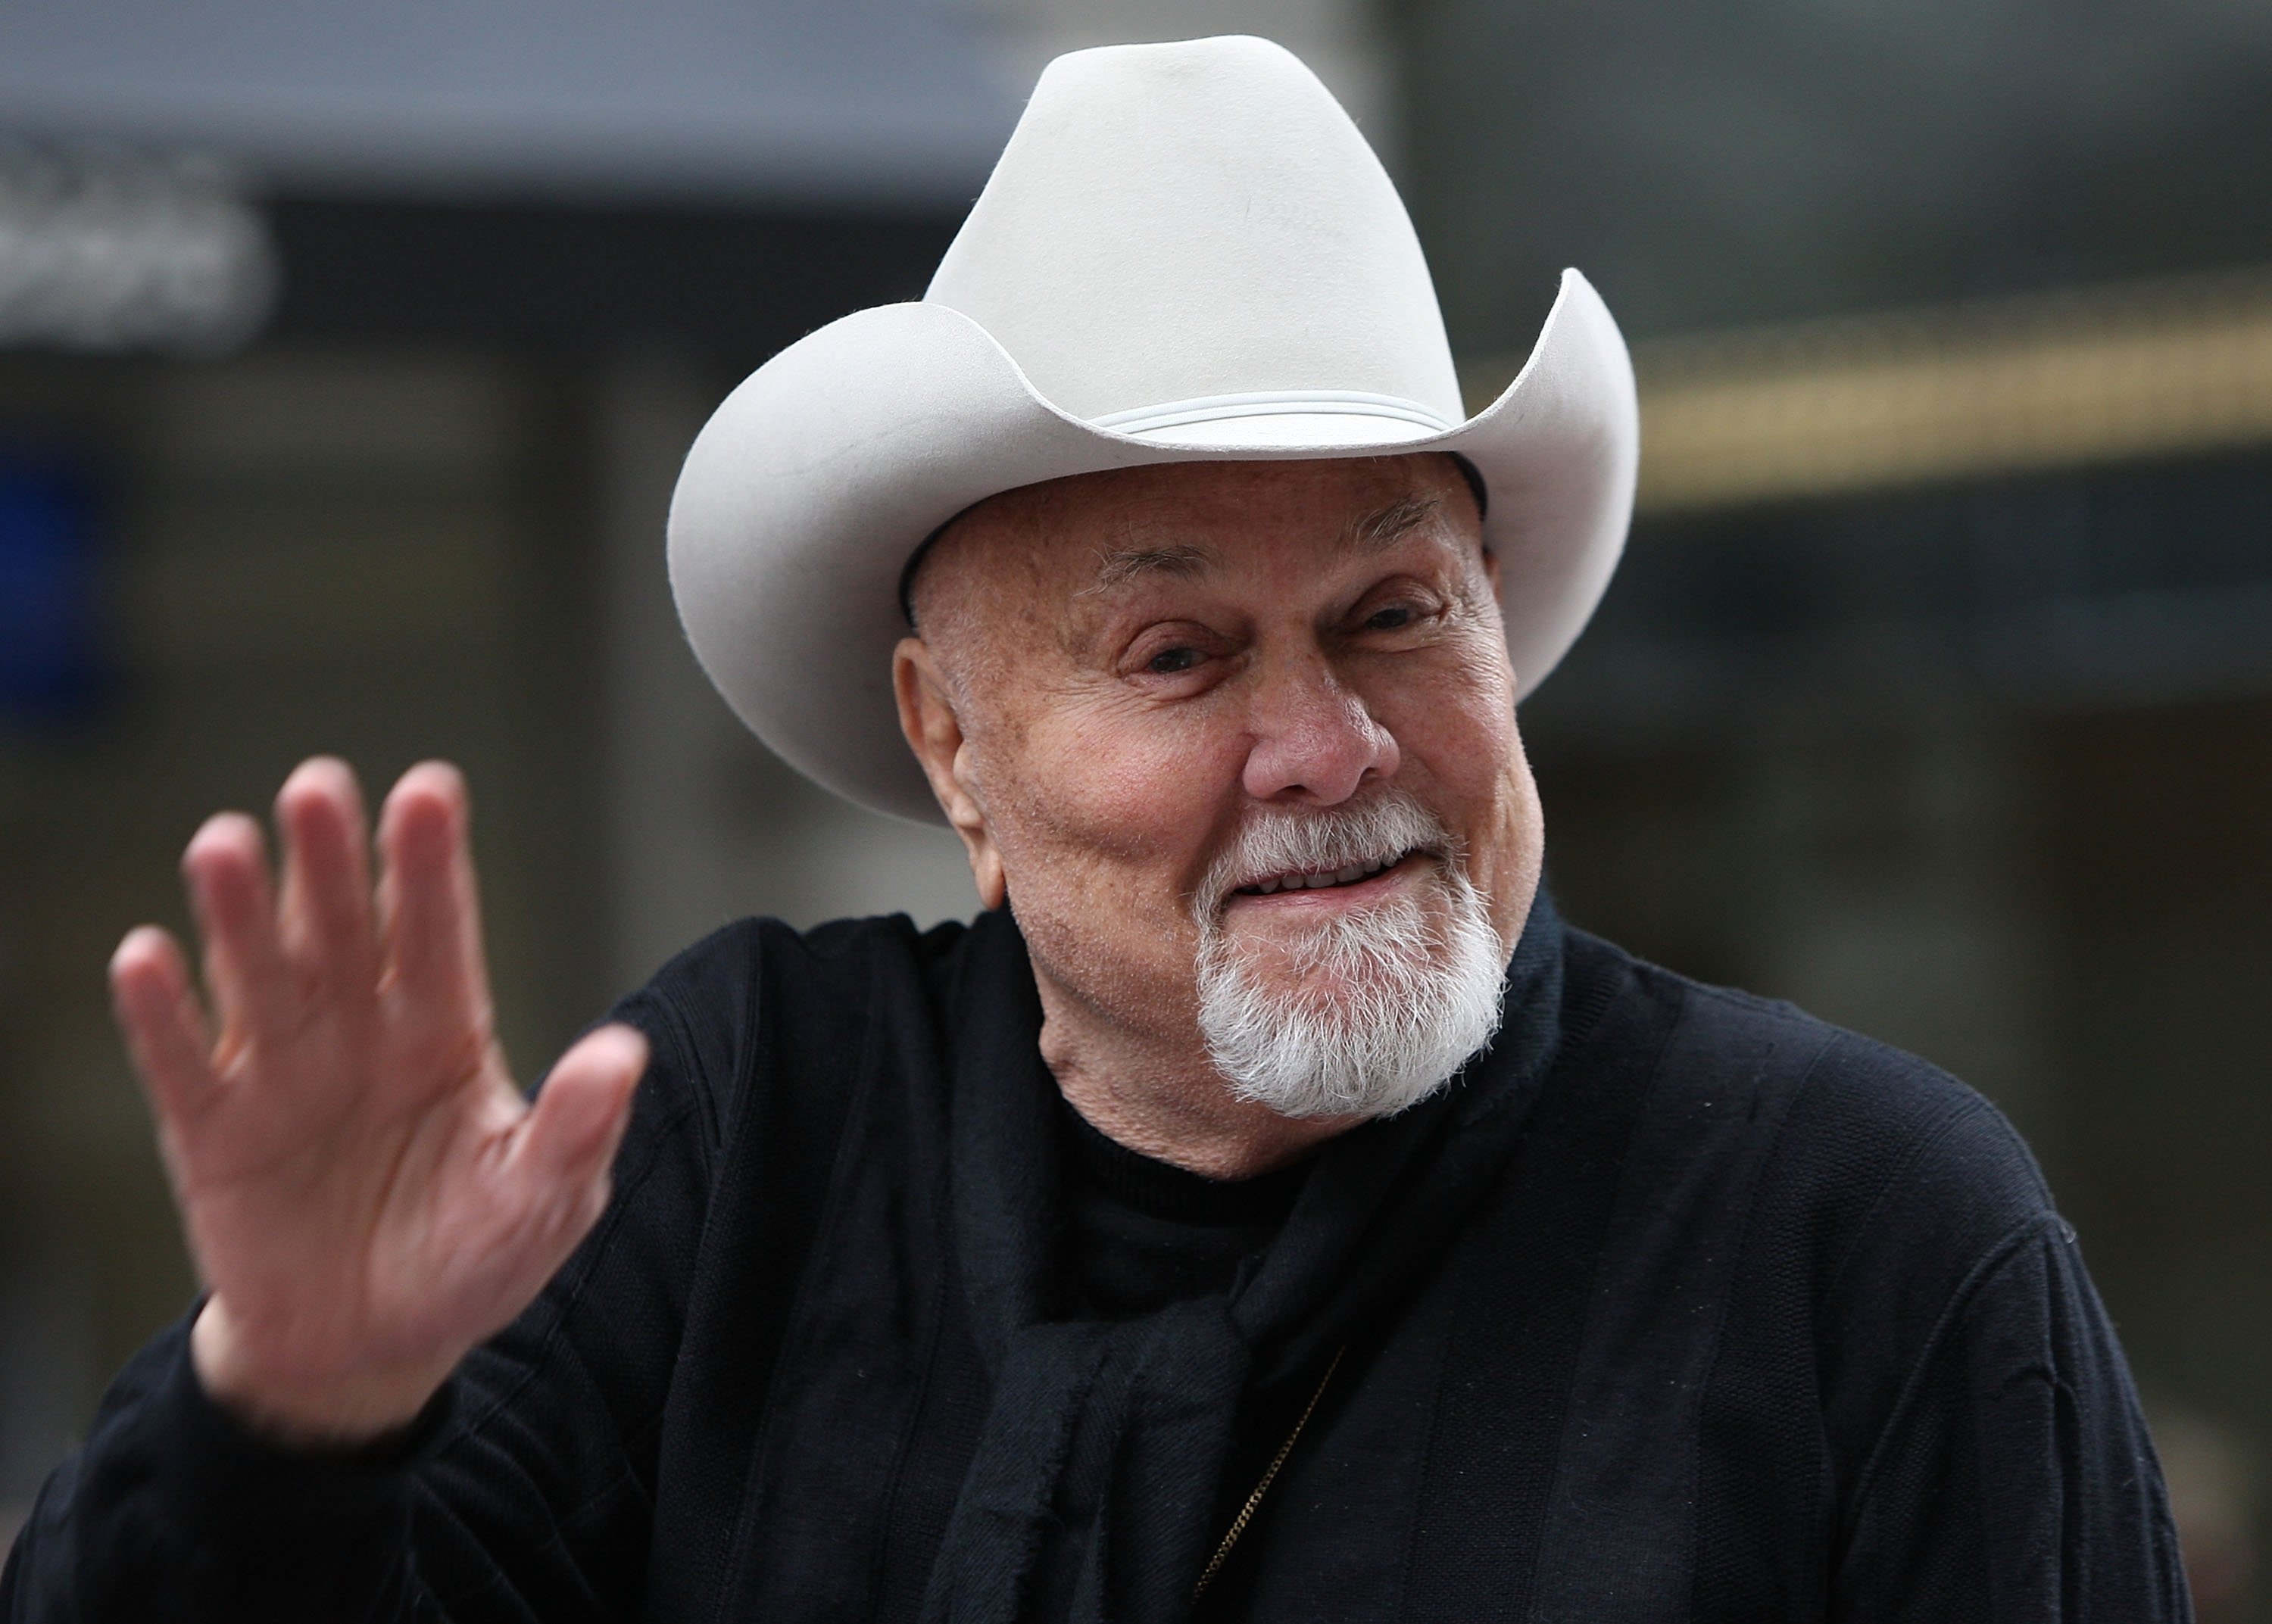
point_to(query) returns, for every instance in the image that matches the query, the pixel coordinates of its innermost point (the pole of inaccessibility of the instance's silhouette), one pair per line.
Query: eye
(1392, 619)
(1172, 662)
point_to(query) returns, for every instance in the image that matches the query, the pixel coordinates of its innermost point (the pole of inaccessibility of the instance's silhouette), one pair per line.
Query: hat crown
(1177, 224)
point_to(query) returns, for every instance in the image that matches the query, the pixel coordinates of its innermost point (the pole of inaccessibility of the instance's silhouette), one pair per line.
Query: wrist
(332, 1409)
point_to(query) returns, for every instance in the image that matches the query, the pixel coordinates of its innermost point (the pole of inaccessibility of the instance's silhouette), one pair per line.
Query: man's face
(1196, 708)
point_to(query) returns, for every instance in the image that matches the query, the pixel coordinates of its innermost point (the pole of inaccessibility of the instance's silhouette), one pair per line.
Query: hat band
(1273, 403)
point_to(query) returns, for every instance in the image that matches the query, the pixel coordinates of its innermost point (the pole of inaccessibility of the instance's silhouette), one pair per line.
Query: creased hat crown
(1194, 234)
(1187, 254)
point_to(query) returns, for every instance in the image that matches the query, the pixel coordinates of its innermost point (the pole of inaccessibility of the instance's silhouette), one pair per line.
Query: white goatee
(1377, 1008)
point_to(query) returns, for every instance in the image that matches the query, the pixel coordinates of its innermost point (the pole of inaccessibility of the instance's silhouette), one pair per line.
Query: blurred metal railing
(1872, 402)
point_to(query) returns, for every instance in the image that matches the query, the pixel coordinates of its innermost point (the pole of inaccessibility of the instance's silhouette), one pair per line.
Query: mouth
(1305, 879)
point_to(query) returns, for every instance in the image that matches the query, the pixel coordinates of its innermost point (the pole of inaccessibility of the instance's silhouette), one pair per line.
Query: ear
(934, 733)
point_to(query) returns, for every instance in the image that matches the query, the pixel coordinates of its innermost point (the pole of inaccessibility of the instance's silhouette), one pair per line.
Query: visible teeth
(1318, 881)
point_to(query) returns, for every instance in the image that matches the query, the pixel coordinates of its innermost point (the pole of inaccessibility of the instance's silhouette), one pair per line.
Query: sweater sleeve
(523, 1493)
(2015, 1481)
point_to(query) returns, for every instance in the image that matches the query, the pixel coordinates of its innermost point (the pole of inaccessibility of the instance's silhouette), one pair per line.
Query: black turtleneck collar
(1163, 1190)
(1140, 1234)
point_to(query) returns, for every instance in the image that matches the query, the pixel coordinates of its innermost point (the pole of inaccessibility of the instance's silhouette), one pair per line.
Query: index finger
(428, 901)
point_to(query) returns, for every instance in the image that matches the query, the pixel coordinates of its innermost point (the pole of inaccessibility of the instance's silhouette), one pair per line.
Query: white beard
(1380, 1006)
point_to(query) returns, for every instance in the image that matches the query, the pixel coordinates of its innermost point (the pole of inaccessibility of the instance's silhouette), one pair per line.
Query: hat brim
(810, 486)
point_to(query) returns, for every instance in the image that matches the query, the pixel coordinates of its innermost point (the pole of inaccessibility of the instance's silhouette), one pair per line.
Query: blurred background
(347, 354)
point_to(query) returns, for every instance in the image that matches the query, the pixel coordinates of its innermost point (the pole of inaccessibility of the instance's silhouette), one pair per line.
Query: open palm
(366, 1194)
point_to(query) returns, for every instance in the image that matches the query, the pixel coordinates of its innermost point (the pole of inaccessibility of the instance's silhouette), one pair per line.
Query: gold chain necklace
(1246, 1512)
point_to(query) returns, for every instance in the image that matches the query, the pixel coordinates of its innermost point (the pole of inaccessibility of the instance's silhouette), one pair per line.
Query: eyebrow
(1382, 527)
(1373, 532)
(1123, 565)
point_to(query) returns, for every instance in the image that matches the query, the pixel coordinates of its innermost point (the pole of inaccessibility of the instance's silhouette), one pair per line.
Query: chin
(1362, 1012)
(1335, 986)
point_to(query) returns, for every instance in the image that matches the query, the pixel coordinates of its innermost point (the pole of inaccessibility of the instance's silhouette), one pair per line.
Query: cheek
(1099, 793)
(1102, 825)
(1510, 877)
(1458, 721)
(1459, 729)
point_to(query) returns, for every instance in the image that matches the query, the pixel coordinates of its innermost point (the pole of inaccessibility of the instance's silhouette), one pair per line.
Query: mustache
(1386, 825)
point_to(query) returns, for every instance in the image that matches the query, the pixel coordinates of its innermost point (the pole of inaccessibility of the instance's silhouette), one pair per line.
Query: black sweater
(1745, 1319)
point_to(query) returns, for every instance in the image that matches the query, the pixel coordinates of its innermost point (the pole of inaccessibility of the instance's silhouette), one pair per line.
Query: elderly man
(1265, 1210)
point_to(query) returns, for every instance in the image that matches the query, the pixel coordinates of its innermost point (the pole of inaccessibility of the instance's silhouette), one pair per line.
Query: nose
(1315, 739)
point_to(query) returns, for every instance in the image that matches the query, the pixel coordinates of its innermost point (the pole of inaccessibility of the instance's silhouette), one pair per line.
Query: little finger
(165, 1030)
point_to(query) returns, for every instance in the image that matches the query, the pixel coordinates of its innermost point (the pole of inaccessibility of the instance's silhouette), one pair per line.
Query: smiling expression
(1117, 672)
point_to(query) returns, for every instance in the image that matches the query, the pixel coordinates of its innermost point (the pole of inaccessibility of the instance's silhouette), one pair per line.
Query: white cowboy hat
(1186, 253)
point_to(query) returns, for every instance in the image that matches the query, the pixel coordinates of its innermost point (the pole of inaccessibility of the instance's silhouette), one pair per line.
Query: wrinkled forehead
(1095, 532)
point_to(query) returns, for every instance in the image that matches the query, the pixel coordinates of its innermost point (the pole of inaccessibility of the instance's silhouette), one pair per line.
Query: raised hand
(366, 1194)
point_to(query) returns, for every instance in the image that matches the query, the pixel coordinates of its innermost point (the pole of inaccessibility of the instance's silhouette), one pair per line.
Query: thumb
(570, 1135)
